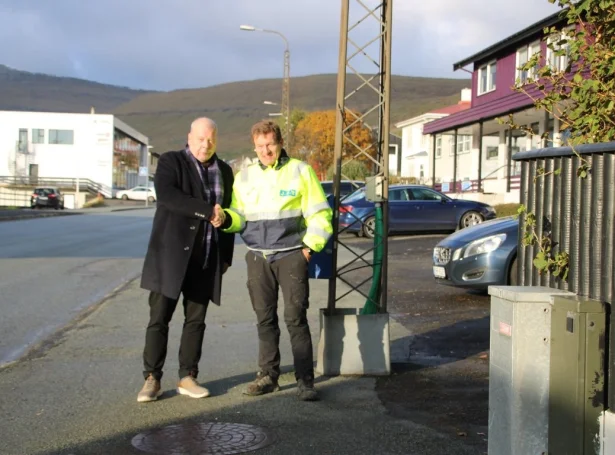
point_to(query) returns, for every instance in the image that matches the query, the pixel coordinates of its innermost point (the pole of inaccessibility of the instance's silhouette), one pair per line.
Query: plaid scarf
(211, 178)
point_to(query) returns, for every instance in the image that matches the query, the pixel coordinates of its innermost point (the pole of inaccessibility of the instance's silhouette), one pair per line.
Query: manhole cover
(203, 439)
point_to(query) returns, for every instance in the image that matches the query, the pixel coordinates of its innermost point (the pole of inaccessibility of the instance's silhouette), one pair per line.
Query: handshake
(217, 219)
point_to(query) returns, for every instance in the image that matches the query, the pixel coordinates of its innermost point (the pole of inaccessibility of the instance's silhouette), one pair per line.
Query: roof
(461, 106)
(512, 40)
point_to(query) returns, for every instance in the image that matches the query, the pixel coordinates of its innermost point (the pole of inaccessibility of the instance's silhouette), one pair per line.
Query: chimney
(466, 95)
(92, 110)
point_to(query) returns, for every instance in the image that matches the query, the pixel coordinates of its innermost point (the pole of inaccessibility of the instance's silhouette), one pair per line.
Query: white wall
(89, 157)
(467, 162)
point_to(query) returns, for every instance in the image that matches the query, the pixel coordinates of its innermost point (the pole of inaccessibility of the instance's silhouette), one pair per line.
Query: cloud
(168, 44)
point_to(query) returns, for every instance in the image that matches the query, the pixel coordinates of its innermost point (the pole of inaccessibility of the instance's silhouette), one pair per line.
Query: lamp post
(285, 81)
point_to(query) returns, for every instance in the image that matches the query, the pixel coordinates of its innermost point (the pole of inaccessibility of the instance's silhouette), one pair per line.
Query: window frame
(438, 146)
(54, 141)
(466, 141)
(37, 138)
(490, 69)
(562, 60)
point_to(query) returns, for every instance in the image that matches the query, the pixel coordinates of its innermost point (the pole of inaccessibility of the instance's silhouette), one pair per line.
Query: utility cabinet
(576, 394)
(519, 369)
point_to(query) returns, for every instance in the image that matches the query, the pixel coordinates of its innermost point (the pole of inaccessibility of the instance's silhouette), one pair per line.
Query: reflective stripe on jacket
(281, 207)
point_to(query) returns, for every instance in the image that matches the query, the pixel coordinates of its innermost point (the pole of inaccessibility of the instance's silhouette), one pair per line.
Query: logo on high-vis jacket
(288, 192)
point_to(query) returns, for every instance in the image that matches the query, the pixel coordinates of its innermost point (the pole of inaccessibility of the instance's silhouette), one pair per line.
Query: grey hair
(207, 120)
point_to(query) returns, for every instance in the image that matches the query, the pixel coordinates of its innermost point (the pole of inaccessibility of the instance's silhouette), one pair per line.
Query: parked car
(346, 187)
(138, 193)
(413, 208)
(47, 197)
(479, 256)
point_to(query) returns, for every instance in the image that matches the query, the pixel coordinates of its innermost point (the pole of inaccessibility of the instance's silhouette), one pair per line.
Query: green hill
(165, 117)
(22, 90)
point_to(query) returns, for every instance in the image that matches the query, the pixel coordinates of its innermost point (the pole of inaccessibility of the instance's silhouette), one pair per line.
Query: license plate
(439, 272)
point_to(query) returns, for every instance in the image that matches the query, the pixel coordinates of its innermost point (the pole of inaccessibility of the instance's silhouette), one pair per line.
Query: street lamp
(285, 81)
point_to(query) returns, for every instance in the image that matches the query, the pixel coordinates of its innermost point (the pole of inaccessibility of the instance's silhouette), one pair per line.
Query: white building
(420, 153)
(99, 149)
(415, 162)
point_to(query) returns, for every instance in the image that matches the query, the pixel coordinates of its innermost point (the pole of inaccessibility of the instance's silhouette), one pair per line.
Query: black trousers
(157, 334)
(290, 273)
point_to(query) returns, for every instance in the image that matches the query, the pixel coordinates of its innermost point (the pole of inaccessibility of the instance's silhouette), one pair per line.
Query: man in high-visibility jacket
(281, 211)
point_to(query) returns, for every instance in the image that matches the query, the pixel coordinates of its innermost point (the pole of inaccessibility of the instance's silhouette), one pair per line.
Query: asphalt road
(52, 269)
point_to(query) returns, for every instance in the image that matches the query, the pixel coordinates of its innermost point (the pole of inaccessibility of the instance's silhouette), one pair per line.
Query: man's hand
(225, 267)
(218, 218)
(307, 253)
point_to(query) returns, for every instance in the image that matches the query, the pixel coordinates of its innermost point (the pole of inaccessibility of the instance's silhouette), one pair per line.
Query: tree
(576, 85)
(581, 92)
(354, 170)
(314, 139)
(296, 115)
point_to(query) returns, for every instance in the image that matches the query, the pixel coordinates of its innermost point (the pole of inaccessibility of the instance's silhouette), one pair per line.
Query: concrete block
(353, 344)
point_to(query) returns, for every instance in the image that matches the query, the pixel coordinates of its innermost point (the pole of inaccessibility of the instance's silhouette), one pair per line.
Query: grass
(503, 210)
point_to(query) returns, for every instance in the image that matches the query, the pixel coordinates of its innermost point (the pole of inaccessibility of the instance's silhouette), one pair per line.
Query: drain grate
(203, 439)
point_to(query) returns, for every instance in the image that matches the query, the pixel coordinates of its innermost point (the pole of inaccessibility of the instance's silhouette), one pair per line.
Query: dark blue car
(412, 208)
(479, 256)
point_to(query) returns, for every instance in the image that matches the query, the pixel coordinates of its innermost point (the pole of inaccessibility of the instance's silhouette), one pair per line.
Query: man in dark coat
(187, 254)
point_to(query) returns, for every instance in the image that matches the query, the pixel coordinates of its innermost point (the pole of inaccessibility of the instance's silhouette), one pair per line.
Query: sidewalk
(77, 395)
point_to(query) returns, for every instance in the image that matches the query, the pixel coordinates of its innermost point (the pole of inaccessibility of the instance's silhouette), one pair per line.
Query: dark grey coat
(181, 211)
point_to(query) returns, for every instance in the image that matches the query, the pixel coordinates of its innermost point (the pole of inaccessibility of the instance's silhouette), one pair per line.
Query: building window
(438, 146)
(38, 136)
(464, 144)
(61, 137)
(524, 55)
(558, 50)
(486, 77)
(492, 153)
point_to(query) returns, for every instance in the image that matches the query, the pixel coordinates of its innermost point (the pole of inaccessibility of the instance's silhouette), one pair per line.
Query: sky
(175, 44)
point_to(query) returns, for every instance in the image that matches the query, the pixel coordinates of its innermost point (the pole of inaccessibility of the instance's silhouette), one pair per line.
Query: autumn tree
(314, 140)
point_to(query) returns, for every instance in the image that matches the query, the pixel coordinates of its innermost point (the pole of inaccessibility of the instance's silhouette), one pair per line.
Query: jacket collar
(280, 162)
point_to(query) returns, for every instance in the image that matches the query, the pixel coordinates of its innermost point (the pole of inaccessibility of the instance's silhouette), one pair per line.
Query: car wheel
(124, 197)
(151, 199)
(369, 227)
(513, 277)
(470, 218)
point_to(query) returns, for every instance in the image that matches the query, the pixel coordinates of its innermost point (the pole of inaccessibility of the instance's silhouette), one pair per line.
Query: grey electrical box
(519, 363)
(374, 188)
(576, 393)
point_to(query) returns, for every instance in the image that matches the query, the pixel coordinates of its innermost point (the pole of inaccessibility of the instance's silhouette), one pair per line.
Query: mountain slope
(22, 90)
(165, 117)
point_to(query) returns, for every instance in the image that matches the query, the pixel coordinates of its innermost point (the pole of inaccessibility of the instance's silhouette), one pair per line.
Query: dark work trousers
(290, 273)
(197, 283)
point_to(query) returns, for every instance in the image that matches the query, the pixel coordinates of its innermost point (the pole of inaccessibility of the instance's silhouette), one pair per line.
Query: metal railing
(88, 185)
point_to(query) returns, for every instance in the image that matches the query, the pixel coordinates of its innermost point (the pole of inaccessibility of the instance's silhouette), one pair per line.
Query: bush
(353, 170)
(503, 210)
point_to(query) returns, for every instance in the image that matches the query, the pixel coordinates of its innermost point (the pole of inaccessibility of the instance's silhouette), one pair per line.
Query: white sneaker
(189, 386)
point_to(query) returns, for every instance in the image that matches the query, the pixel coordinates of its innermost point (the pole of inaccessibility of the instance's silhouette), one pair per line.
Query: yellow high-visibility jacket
(280, 208)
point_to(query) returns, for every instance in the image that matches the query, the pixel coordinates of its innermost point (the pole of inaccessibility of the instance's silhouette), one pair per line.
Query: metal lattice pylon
(377, 15)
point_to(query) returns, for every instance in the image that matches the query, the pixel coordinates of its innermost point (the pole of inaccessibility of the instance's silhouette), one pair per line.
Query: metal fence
(577, 213)
(62, 183)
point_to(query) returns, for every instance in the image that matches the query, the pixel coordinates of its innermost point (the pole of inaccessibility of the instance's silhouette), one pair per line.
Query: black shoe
(261, 385)
(306, 390)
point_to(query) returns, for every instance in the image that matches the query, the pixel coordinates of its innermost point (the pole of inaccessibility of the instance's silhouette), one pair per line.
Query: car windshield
(44, 191)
